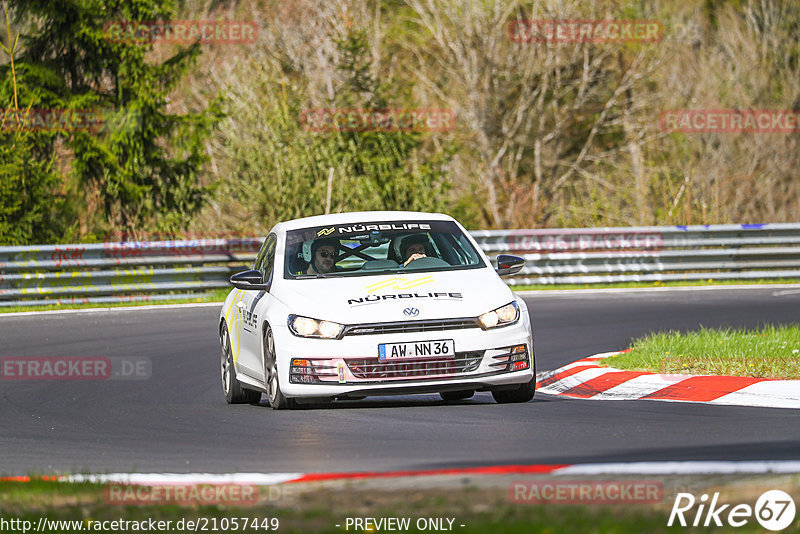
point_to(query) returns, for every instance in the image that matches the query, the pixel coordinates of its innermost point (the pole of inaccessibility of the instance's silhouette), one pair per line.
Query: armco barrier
(120, 272)
(650, 254)
(158, 270)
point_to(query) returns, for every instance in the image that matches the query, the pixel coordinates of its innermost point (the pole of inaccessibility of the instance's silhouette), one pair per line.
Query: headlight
(307, 327)
(502, 316)
(328, 329)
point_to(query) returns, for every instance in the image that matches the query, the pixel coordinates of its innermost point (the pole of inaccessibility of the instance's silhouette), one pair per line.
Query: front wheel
(271, 379)
(524, 393)
(233, 390)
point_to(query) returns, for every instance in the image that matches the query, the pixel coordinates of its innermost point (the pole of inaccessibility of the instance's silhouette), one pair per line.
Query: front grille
(373, 369)
(400, 327)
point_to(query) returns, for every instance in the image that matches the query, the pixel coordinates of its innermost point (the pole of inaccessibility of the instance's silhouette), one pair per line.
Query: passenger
(323, 256)
(413, 247)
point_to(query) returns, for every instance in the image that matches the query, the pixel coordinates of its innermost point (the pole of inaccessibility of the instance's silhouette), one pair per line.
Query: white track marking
(770, 393)
(764, 394)
(681, 468)
(787, 292)
(571, 381)
(589, 469)
(261, 479)
(639, 387)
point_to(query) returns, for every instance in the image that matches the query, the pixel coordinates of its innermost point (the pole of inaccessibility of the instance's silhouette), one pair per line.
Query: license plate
(443, 348)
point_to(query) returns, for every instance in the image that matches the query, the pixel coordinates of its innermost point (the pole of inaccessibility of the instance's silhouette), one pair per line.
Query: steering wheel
(427, 261)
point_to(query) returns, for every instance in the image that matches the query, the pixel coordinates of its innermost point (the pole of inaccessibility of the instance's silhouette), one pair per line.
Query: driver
(413, 248)
(323, 256)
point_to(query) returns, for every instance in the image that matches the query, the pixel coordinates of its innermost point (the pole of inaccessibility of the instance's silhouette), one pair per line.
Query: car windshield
(375, 247)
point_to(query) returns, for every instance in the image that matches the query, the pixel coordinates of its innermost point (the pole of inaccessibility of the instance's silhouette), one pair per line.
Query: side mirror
(507, 264)
(248, 280)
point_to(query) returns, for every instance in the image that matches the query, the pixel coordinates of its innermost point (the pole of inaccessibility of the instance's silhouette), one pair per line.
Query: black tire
(524, 393)
(271, 378)
(233, 390)
(450, 396)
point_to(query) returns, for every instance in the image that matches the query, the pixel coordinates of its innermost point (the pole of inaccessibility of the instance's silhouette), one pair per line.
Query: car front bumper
(350, 366)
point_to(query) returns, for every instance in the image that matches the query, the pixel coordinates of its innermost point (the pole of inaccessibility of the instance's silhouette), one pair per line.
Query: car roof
(360, 217)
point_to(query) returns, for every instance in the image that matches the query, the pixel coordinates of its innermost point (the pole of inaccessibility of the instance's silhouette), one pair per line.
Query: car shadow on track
(402, 401)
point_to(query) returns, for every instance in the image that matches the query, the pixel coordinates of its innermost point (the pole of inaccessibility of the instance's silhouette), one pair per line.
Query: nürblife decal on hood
(402, 285)
(394, 297)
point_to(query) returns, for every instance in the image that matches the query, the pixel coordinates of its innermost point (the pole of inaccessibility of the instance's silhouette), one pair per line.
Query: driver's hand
(414, 257)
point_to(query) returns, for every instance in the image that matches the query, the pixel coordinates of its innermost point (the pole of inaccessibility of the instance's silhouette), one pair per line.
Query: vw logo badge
(411, 312)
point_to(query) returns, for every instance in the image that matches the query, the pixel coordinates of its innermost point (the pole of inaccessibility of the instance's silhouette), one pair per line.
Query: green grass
(319, 510)
(217, 295)
(681, 283)
(770, 352)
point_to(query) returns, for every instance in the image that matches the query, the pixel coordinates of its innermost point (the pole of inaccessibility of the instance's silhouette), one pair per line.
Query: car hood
(396, 297)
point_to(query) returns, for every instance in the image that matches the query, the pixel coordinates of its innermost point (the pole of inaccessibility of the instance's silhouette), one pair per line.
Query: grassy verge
(212, 296)
(770, 352)
(650, 285)
(298, 510)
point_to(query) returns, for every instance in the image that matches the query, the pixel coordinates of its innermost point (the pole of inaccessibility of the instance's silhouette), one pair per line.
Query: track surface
(178, 421)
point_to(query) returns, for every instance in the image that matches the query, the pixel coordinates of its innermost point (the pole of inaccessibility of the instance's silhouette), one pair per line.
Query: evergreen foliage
(140, 163)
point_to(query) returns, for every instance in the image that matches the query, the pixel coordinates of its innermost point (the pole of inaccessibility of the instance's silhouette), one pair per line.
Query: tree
(30, 203)
(142, 164)
(539, 118)
(281, 166)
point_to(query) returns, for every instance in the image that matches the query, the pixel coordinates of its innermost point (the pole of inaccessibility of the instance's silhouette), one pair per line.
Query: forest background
(208, 139)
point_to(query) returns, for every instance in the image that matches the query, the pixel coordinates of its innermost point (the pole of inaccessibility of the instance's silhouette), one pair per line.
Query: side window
(260, 256)
(265, 262)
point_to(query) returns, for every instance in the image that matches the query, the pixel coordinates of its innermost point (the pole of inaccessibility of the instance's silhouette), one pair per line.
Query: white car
(374, 303)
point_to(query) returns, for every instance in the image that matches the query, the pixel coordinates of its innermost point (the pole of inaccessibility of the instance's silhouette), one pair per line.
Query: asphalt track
(177, 421)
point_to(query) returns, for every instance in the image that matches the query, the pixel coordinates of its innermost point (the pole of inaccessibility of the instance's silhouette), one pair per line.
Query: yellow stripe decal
(399, 283)
(233, 325)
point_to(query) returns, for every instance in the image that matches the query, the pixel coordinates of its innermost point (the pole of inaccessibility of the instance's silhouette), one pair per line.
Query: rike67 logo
(774, 510)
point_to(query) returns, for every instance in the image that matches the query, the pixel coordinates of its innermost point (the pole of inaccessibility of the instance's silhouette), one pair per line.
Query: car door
(251, 312)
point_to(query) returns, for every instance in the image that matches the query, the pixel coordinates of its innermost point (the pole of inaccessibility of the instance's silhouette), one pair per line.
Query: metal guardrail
(120, 272)
(650, 254)
(158, 270)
